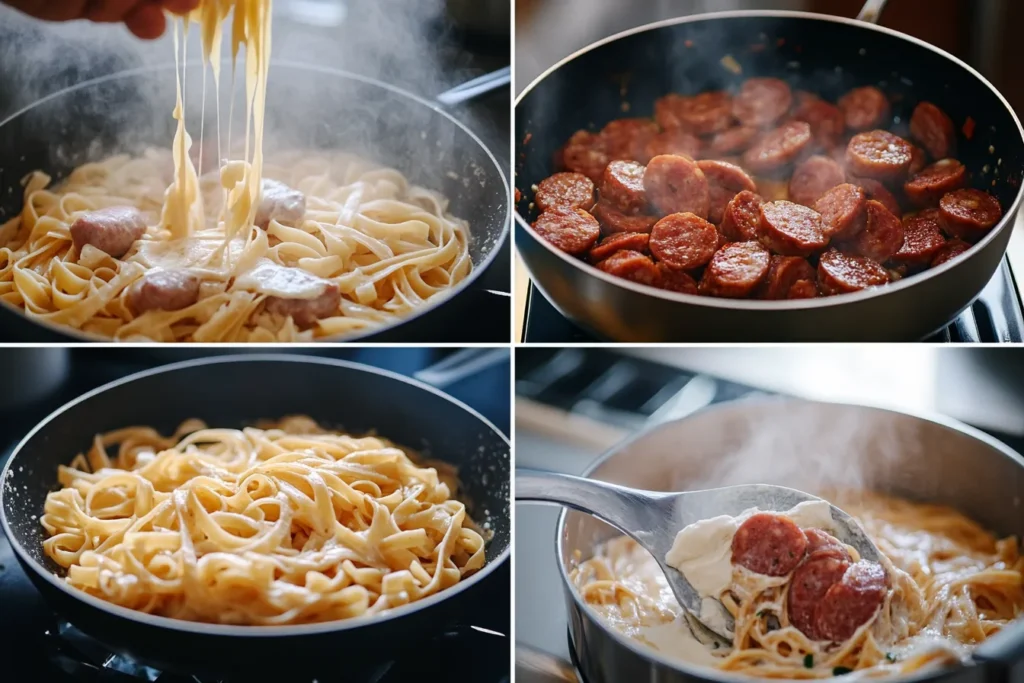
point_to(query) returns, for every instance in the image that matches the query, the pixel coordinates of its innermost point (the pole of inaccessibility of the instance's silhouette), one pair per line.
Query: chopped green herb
(809, 661)
(890, 656)
(840, 671)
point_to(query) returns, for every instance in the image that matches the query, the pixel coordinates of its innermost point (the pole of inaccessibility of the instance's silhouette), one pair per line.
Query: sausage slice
(164, 290)
(813, 178)
(736, 270)
(280, 203)
(842, 211)
(741, 220)
(927, 187)
(677, 185)
(574, 231)
(969, 214)
(112, 230)
(568, 190)
(882, 235)
(778, 148)
(840, 273)
(851, 602)
(864, 108)
(922, 239)
(791, 229)
(879, 154)
(933, 128)
(725, 181)
(683, 241)
(623, 186)
(631, 265)
(769, 544)
(761, 102)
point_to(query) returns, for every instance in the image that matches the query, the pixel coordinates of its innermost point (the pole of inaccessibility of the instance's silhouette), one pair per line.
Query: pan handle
(473, 89)
(871, 12)
(536, 666)
(1003, 653)
(461, 365)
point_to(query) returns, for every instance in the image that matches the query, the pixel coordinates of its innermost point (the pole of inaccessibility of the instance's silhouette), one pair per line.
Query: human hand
(144, 18)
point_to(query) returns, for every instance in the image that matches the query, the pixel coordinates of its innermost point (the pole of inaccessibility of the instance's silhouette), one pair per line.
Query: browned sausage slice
(922, 239)
(930, 126)
(949, 251)
(877, 191)
(969, 214)
(826, 120)
(852, 602)
(803, 289)
(623, 186)
(672, 141)
(306, 312)
(281, 203)
(703, 114)
(574, 231)
(732, 140)
(882, 236)
(631, 241)
(842, 211)
(725, 181)
(735, 270)
(677, 185)
(864, 108)
(568, 190)
(783, 273)
(879, 154)
(778, 147)
(791, 229)
(585, 153)
(918, 160)
(813, 178)
(741, 220)
(761, 102)
(626, 139)
(676, 280)
(683, 241)
(811, 581)
(822, 544)
(112, 230)
(632, 265)
(164, 290)
(840, 273)
(927, 187)
(612, 220)
(768, 544)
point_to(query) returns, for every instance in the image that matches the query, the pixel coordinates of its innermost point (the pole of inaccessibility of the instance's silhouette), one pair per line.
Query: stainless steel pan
(825, 54)
(806, 445)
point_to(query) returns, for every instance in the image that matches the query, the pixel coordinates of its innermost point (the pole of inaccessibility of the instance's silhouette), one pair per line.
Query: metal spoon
(654, 518)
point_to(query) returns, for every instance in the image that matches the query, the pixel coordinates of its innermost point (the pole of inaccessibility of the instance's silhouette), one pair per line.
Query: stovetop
(995, 317)
(36, 646)
(572, 405)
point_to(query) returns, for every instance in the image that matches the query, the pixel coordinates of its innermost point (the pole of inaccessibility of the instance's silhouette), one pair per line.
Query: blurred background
(573, 404)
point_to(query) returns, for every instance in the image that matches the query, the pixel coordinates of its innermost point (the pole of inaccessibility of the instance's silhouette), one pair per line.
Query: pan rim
(715, 674)
(1004, 224)
(224, 630)
(474, 275)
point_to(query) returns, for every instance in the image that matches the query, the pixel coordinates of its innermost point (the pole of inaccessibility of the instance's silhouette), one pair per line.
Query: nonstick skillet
(235, 392)
(308, 107)
(623, 76)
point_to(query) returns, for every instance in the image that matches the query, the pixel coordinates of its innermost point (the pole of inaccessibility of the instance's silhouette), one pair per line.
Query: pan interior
(624, 77)
(240, 392)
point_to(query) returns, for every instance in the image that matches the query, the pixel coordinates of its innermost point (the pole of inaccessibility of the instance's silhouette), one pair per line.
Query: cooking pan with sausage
(890, 168)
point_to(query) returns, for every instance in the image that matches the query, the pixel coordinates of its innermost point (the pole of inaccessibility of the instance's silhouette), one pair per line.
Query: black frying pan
(234, 392)
(828, 55)
(308, 107)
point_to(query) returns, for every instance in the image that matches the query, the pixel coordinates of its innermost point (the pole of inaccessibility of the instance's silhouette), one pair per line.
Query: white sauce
(288, 283)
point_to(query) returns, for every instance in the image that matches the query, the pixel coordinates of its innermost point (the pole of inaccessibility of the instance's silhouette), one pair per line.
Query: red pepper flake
(526, 140)
(969, 128)
(688, 43)
(519, 195)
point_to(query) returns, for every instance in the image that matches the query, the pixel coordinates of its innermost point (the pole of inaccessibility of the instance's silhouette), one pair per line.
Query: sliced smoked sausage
(822, 544)
(612, 220)
(840, 273)
(279, 202)
(882, 235)
(842, 211)
(927, 187)
(949, 251)
(568, 190)
(626, 139)
(825, 119)
(969, 214)
(631, 241)
(851, 602)
(585, 153)
(741, 219)
(574, 231)
(864, 108)
(725, 181)
(676, 280)
(931, 127)
(672, 141)
(623, 186)
(306, 312)
(810, 582)
(761, 102)
(733, 140)
(877, 191)
(813, 178)
(783, 273)
(778, 147)
(703, 114)
(164, 290)
(631, 265)
(676, 184)
(922, 239)
(769, 544)
(736, 270)
(791, 229)
(879, 154)
(683, 241)
(112, 230)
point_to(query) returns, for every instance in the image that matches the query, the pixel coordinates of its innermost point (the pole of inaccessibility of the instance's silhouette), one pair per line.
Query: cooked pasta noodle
(385, 247)
(284, 524)
(953, 586)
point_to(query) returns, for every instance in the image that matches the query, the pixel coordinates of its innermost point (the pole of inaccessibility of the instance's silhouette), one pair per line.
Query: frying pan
(824, 54)
(308, 107)
(234, 392)
(806, 445)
